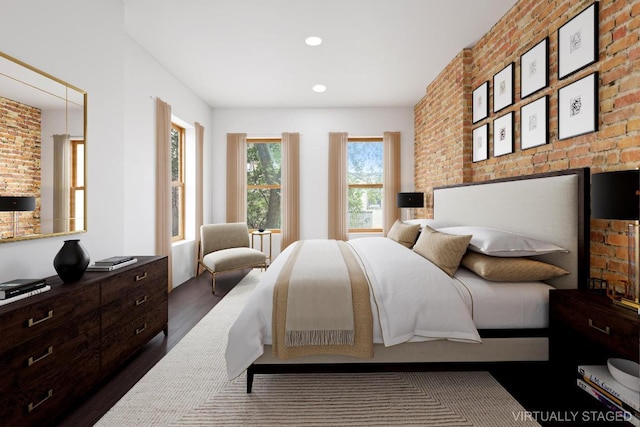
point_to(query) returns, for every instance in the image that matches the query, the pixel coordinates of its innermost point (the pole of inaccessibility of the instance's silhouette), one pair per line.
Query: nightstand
(586, 329)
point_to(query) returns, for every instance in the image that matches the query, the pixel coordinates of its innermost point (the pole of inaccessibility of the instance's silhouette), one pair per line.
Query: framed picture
(503, 88)
(534, 69)
(503, 135)
(480, 108)
(578, 107)
(578, 42)
(481, 143)
(534, 119)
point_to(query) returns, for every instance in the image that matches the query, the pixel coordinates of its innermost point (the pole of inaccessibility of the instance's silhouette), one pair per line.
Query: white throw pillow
(493, 242)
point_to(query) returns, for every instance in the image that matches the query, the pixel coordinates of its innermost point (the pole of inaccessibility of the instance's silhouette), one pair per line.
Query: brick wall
(443, 130)
(20, 175)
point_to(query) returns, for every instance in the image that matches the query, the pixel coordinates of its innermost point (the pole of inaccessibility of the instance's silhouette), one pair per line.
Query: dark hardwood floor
(188, 304)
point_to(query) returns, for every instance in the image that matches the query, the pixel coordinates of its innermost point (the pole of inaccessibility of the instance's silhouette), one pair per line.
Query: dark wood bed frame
(583, 175)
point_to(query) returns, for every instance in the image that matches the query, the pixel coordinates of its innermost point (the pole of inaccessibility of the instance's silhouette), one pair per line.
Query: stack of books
(112, 263)
(17, 289)
(599, 383)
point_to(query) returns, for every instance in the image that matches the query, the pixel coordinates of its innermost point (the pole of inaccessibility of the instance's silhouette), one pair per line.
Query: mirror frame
(84, 129)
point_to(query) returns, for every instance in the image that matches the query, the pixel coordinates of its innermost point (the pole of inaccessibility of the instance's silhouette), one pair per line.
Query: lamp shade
(616, 195)
(13, 204)
(410, 200)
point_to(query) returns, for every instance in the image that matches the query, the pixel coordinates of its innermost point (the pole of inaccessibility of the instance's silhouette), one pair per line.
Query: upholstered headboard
(553, 207)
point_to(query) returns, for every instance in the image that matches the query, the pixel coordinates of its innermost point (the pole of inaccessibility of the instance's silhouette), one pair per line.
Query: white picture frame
(503, 135)
(503, 88)
(480, 107)
(578, 41)
(481, 143)
(578, 107)
(534, 69)
(534, 123)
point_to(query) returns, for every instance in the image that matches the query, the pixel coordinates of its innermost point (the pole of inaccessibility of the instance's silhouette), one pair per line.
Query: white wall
(314, 125)
(84, 44)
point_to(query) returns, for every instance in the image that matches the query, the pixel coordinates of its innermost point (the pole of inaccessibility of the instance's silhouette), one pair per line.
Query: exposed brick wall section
(443, 157)
(20, 155)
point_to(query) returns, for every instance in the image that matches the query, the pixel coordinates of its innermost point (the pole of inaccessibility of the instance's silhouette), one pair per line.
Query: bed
(509, 320)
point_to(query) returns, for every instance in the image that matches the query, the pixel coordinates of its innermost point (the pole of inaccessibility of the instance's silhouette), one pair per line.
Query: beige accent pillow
(444, 250)
(405, 234)
(510, 269)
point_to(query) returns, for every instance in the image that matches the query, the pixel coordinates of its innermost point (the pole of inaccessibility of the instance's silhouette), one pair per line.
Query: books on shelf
(18, 297)
(609, 402)
(19, 286)
(110, 267)
(601, 377)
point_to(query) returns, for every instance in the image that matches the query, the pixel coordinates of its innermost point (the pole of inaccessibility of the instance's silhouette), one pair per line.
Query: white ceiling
(251, 53)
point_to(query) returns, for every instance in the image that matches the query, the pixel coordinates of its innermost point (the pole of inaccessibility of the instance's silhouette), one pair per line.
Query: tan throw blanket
(321, 303)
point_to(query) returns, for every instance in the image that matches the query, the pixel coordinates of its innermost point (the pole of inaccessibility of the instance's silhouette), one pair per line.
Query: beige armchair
(225, 247)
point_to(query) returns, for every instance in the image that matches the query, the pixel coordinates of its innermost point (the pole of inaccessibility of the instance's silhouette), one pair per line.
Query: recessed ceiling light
(313, 41)
(319, 88)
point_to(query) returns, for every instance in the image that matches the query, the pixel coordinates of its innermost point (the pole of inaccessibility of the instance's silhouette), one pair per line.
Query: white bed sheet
(504, 305)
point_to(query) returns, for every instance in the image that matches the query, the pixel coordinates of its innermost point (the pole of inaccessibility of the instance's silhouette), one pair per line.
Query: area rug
(188, 387)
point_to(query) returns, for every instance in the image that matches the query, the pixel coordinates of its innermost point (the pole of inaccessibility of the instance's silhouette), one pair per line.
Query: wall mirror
(42, 154)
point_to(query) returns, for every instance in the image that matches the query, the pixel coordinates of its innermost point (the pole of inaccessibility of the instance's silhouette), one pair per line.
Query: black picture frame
(480, 102)
(578, 41)
(503, 135)
(534, 69)
(534, 123)
(578, 107)
(481, 143)
(503, 88)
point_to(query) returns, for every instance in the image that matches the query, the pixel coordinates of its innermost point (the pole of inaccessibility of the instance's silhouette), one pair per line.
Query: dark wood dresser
(58, 345)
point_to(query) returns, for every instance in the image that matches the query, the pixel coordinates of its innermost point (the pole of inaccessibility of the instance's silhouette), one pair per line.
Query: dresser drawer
(116, 285)
(28, 362)
(131, 306)
(121, 343)
(46, 314)
(42, 402)
(597, 321)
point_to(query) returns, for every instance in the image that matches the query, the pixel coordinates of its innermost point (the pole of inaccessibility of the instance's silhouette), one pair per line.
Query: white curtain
(163, 183)
(61, 183)
(236, 177)
(290, 189)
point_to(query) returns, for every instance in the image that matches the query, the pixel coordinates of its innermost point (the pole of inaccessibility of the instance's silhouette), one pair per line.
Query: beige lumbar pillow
(510, 269)
(444, 250)
(405, 234)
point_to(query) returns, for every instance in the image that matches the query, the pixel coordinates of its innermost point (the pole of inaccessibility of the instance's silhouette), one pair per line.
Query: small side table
(262, 235)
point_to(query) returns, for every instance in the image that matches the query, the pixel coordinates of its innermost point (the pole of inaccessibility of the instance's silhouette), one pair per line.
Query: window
(365, 178)
(76, 196)
(263, 183)
(177, 182)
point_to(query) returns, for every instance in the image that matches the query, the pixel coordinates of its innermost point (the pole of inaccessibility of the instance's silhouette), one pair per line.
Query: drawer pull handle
(33, 360)
(139, 330)
(606, 329)
(141, 277)
(141, 301)
(47, 317)
(33, 406)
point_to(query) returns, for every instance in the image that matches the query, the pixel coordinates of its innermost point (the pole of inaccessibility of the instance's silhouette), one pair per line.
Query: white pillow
(428, 222)
(493, 242)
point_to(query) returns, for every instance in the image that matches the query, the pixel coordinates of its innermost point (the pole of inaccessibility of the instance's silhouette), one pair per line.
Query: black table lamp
(15, 205)
(410, 200)
(616, 195)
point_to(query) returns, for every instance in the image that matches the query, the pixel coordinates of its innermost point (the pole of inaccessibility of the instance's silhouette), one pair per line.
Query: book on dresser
(600, 376)
(19, 286)
(625, 413)
(24, 295)
(116, 263)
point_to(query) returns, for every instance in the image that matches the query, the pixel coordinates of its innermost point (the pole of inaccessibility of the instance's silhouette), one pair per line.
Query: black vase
(71, 261)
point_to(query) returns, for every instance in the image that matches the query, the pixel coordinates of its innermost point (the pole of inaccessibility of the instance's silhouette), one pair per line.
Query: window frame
(74, 187)
(377, 139)
(263, 140)
(180, 183)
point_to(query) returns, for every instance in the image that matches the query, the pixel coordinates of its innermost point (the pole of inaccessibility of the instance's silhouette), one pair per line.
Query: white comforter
(411, 300)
